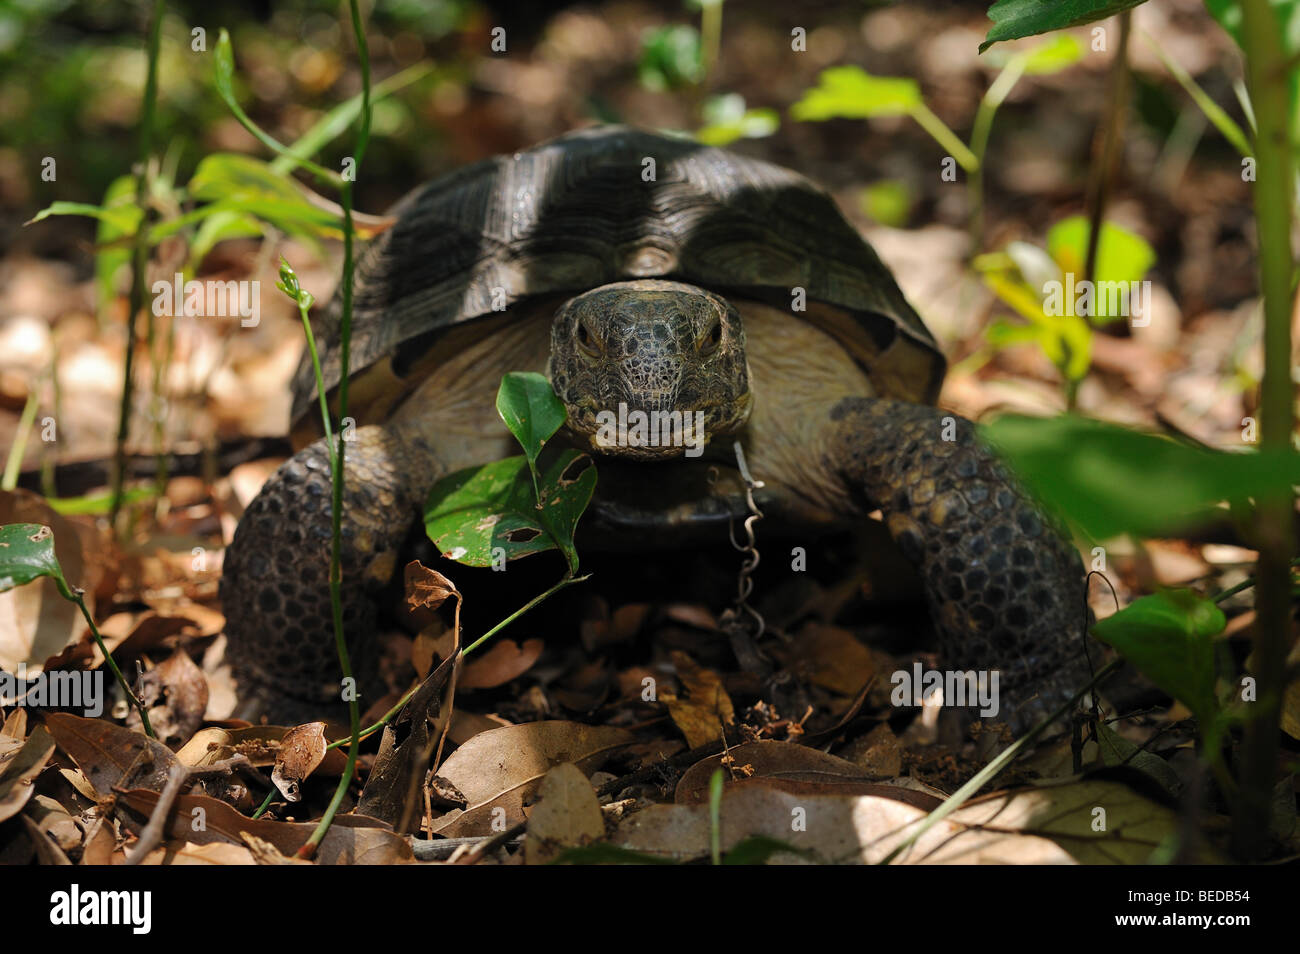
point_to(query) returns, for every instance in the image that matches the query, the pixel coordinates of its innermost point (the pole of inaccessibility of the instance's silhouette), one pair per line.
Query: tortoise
(660, 275)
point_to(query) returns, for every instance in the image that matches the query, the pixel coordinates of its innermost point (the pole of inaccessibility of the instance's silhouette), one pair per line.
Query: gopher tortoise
(653, 274)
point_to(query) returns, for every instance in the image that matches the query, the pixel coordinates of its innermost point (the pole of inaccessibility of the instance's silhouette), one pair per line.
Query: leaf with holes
(532, 412)
(480, 513)
(26, 554)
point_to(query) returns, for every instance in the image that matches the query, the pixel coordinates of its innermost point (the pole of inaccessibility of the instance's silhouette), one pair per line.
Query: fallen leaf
(498, 771)
(352, 839)
(504, 661)
(19, 768)
(47, 851)
(176, 695)
(109, 755)
(405, 750)
(183, 853)
(567, 815)
(706, 709)
(301, 750)
(785, 765)
(831, 657)
(878, 752)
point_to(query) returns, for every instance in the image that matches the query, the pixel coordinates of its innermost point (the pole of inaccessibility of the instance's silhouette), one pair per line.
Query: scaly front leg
(1005, 587)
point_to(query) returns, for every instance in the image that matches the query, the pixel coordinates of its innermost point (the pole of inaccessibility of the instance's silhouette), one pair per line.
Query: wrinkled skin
(652, 346)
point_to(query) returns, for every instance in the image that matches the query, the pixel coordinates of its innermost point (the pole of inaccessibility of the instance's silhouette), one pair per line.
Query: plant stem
(710, 37)
(77, 597)
(993, 98)
(1112, 133)
(266, 803)
(338, 448)
(1212, 110)
(568, 580)
(140, 257)
(945, 137)
(19, 449)
(1261, 39)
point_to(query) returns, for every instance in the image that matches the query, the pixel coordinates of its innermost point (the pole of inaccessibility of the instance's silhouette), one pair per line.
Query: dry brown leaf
(426, 588)
(176, 695)
(705, 710)
(784, 764)
(47, 851)
(265, 853)
(500, 770)
(1049, 825)
(504, 661)
(352, 839)
(15, 726)
(405, 751)
(100, 843)
(183, 853)
(878, 752)
(109, 755)
(301, 750)
(18, 770)
(691, 614)
(567, 815)
(831, 657)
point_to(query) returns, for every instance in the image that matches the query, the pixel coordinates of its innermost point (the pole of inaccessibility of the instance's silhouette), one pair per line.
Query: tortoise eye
(586, 340)
(709, 343)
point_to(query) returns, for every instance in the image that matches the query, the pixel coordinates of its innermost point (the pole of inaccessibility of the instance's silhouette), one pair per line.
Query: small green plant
(679, 58)
(518, 506)
(849, 92)
(1266, 32)
(1045, 287)
(27, 554)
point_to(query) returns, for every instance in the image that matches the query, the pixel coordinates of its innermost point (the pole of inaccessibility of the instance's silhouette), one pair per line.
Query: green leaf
(217, 227)
(336, 122)
(243, 184)
(472, 512)
(99, 503)
(113, 255)
(849, 92)
(27, 554)
(1168, 637)
(531, 411)
(726, 120)
(1013, 19)
(122, 219)
(1122, 257)
(671, 57)
(1059, 53)
(1117, 750)
(224, 74)
(888, 202)
(1109, 480)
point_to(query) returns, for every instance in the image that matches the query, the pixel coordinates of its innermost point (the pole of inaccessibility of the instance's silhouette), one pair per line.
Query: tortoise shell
(612, 204)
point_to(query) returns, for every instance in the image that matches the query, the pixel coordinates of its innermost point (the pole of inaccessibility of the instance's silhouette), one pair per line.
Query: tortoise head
(650, 369)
